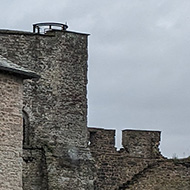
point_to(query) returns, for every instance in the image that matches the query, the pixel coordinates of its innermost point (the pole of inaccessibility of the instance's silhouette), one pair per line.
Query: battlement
(102, 139)
(136, 143)
(141, 143)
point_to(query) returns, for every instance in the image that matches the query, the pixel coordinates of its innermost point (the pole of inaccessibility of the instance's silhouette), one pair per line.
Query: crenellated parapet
(141, 143)
(140, 151)
(136, 143)
(102, 139)
(138, 165)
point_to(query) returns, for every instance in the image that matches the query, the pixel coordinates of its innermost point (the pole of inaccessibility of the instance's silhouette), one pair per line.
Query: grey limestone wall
(114, 168)
(139, 165)
(165, 175)
(102, 139)
(10, 132)
(141, 143)
(56, 104)
(56, 107)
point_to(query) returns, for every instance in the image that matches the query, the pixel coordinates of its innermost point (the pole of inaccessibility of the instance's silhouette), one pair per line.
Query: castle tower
(55, 149)
(11, 90)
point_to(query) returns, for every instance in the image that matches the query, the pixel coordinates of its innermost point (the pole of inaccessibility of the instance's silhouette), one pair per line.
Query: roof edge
(18, 32)
(23, 74)
(8, 66)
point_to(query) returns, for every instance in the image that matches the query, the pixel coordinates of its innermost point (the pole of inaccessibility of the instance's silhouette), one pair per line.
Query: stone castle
(44, 140)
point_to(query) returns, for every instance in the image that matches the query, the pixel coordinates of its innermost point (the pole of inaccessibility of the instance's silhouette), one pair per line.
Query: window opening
(26, 129)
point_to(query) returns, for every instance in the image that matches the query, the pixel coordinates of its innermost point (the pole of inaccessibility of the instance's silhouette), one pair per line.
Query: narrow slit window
(26, 129)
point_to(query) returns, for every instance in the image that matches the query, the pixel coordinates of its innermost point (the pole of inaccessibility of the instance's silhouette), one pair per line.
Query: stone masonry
(55, 151)
(10, 132)
(139, 165)
(11, 93)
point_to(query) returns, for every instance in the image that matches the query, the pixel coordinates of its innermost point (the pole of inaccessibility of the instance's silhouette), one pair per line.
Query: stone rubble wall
(10, 132)
(56, 106)
(141, 143)
(34, 169)
(139, 165)
(165, 175)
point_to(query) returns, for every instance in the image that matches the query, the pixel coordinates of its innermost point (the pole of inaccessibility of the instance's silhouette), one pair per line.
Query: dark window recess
(91, 138)
(26, 129)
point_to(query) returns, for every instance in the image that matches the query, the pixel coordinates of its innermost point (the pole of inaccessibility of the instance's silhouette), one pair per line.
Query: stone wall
(56, 104)
(139, 165)
(165, 175)
(10, 132)
(141, 143)
(56, 107)
(34, 169)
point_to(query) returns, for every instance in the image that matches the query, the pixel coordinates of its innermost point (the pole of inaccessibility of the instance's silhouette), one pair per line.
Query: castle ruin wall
(138, 165)
(56, 106)
(10, 132)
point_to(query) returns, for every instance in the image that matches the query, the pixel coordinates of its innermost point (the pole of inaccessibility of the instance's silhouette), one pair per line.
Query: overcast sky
(139, 60)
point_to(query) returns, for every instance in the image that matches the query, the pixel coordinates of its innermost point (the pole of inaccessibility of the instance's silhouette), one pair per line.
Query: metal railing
(51, 26)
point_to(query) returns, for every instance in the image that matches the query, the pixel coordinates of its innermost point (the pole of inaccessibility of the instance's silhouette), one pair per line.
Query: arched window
(26, 129)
